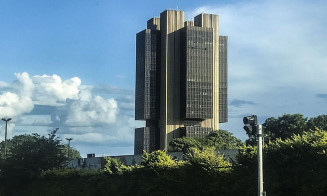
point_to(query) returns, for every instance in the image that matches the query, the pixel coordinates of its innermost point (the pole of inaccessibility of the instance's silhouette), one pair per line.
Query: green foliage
(29, 155)
(159, 175)
(283, 127)
(185, 143)
(248, 155)
(298, 164)
(207, 160)
(115, 166)
(65, 172)
(288, 124)
(157, 159)
(73, 153)
(319, 122)
(220, 139)
(294, 166)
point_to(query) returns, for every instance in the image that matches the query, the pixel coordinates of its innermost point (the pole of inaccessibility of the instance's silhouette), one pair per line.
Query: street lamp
(6, 120)
(69, 139)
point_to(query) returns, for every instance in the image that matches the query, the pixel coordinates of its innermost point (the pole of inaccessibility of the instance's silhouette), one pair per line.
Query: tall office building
(181, 79)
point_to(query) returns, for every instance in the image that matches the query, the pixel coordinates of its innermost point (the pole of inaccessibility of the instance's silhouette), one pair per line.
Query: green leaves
(185, 143)
(296, 165)
(285, 126)
(29, 155)
(207, 160)
(220, 139)
(157, 159)
(73, 153)
(319, 122)
(113, 166)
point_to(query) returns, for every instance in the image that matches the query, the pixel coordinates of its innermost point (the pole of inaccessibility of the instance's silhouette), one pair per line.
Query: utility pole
(69, 139)
(6, 120)
(251, 126)
(260, 161)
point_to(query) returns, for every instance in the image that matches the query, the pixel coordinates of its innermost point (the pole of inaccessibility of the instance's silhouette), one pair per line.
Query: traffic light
(251, 120)
(254, 130)
(250, 124)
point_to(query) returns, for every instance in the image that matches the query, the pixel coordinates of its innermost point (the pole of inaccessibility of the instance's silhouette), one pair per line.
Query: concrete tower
(178, 81)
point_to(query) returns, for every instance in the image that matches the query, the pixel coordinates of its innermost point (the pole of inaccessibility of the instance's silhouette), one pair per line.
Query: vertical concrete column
(212, 21)
(170, 22)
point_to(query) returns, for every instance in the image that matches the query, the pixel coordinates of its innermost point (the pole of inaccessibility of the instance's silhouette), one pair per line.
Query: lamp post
(69, 139)
(6, 120)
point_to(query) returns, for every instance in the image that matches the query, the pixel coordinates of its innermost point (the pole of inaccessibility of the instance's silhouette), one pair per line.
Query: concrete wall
(96, 163)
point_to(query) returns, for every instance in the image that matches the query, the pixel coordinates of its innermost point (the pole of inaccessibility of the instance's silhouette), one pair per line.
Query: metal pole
(260, 161)
(6, 139)
(68, 148)
(69, 139)
(6, 120)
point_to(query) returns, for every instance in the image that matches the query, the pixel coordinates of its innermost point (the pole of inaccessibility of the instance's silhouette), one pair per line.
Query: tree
(283, 127)
(73, 153)
(19, 139)
(296, 165)
(207, 160)
(157, 159)
(185, 143)
(114, 166)
(29, 155)
(319, 122)
(222, 139)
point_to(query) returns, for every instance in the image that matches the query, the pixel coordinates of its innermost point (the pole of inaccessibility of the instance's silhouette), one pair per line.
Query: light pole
(6, 120)
(251, 126)
(260, 161)
(69, 139)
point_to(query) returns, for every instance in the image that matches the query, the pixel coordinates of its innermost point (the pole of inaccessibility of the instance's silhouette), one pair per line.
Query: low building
(94, 163)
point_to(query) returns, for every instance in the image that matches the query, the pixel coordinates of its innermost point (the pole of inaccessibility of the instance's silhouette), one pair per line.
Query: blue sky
(71, 64)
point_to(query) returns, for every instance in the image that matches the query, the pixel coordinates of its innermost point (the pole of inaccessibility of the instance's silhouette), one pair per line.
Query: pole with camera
(251, 126)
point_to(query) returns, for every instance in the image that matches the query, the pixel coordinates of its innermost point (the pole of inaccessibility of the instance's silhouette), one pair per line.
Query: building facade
(181, 79)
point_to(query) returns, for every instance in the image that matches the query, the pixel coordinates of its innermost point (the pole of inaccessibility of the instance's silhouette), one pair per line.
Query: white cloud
(276, 56)
(80, 106)
(43, 102)
(3, 84)
(89, 111)
(274, 43)
(51, 90)
(12, 105)
(24, 84)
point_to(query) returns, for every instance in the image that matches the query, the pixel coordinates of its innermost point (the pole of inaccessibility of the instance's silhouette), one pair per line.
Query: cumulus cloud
(46, 92)
(17, 100)
(88, 114)
(92, 111)
(51, 90)
(21, 95)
